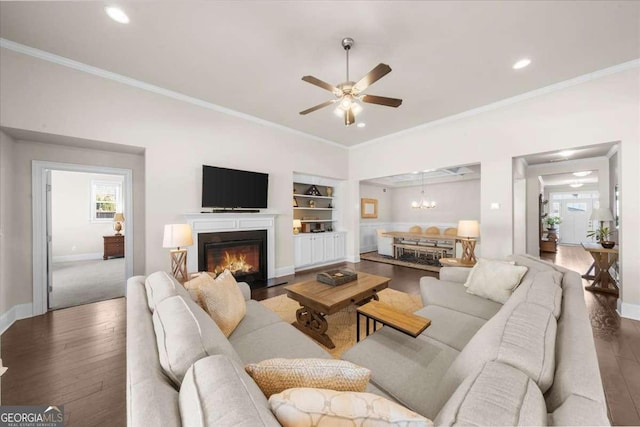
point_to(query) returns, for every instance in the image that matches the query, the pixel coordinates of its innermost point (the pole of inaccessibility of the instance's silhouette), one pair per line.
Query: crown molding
(508, 101)
(76, 65)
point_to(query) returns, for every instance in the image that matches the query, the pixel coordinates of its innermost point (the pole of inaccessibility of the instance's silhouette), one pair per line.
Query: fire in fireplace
(243, 253)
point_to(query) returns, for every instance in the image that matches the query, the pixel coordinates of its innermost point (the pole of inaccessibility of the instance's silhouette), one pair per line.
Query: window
(106, 200)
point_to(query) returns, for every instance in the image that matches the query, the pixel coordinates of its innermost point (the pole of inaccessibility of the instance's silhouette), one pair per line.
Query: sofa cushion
(542, 288)
(257, 317)
(523, 337)
(217, 392)
(223, 301)
(450, 327)
(159, 286)
(313, 407)
(185, 334)
(578, 410)
(408, 369)
(454, 274)
(276, 375)
(495, 280)
(498, 395)
(276, 340)
(454, 295)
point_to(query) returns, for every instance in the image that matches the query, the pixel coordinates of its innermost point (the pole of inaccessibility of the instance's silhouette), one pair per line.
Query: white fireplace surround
(232, 221)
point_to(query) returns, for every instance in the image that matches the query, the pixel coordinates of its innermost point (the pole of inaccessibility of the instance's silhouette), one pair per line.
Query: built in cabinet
(315, 249)
(316, 204)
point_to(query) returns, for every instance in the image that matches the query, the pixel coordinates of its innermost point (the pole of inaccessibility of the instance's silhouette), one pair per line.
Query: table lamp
(602, 215)
(176, 236)
(118, 219)
(297, 225)
(468, 230)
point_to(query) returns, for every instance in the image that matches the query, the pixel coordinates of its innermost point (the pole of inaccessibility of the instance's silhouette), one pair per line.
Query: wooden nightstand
(113, 246)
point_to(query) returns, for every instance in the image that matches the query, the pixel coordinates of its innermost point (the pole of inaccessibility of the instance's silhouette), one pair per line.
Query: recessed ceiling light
(566, 153)
(521, 63)
(415, 172)
(576, 185)
(117, 14)
(361, 125)
(581, 174)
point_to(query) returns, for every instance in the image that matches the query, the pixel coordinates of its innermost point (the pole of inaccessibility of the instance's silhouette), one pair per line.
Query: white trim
(76, 65)
(17, 312)
(78, 257)
(630, 311)
(613, 150)
(508, 101)
(39, 217)
(285, 271)
(322, 264)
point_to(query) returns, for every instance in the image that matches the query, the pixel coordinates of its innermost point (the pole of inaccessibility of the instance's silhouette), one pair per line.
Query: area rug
(376, 257)
(342, 325)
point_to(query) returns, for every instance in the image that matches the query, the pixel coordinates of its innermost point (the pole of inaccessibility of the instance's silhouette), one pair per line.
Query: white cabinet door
(317, 249)
(329, 247)
(340, 245)
(302, 250)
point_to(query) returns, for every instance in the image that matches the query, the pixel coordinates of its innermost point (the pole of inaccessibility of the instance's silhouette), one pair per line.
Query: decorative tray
(337, 277)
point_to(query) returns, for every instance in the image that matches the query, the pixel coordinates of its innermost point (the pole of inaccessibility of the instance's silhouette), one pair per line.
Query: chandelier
(424, 203)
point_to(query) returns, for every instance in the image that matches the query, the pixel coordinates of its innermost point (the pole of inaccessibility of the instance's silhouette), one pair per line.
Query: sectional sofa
(529, 361)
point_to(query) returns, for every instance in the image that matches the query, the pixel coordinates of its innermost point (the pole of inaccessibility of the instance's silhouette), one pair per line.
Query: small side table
(407, 323)
(113, 246)
(603, 260)
(455, 262)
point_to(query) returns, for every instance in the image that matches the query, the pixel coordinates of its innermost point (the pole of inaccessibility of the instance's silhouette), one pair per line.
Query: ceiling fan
(348, 94)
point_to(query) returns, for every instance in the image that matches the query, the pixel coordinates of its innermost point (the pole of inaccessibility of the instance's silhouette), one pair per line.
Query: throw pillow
(197, 280)
(276, 375)
(224, 302)
(298, 407)
(494, 280)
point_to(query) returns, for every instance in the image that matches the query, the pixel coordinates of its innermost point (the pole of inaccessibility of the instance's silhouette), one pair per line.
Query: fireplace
(243, 253)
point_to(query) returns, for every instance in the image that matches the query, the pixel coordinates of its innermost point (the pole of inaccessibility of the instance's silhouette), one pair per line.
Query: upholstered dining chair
(415, 229)
(432, 231)
(385, 244)
(451, 231)
(450, 247)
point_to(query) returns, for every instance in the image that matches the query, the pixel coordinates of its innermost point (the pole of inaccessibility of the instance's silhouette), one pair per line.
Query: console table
(603, 260)
(113, 246)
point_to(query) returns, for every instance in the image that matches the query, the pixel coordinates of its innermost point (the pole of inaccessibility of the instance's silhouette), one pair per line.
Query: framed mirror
(368, 208)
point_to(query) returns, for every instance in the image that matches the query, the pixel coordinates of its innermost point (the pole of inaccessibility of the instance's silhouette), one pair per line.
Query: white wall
(8, 294)
(178, 139)
(455, 201)
(589, 111)
(75, 234)
(385, 203)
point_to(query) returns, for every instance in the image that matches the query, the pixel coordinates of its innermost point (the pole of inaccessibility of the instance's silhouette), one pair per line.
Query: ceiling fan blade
(374, 75)
(382, 100)
(349, 118)
(322, 84)
(317, 107)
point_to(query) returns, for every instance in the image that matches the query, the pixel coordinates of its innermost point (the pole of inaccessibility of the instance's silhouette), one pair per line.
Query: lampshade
(601, 214)
(297, 223)
(118, 217)
(176, 235)
(468, 228)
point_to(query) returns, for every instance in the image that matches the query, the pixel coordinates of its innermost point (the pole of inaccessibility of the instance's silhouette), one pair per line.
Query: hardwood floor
(76, 356)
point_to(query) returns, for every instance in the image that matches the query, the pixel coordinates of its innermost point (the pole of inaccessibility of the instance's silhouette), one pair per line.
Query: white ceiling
(564, 179)
(447, 57)
(577, 153)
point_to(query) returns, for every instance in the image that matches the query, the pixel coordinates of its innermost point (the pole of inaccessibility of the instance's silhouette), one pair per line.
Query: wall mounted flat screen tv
(232, 188)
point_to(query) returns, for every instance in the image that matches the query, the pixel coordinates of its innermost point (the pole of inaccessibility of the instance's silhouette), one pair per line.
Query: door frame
(39, 226)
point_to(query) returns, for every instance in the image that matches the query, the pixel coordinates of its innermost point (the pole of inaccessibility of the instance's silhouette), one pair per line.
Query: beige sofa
(531, 361)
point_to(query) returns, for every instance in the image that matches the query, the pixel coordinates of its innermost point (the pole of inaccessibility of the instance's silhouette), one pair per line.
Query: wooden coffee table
(318, 300)
(407, 323)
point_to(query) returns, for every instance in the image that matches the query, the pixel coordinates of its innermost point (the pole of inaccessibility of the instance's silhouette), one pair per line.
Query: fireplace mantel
(232, 221)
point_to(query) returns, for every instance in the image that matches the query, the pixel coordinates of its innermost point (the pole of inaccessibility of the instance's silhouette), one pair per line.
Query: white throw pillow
(494, 280)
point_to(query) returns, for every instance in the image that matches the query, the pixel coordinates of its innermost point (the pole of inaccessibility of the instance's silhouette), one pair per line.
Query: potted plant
(551, 222)
(602, 235)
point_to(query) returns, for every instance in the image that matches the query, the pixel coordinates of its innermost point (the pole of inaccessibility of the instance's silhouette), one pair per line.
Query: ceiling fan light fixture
(356, 108)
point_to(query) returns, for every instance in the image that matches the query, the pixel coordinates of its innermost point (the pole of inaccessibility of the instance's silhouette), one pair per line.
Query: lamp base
(179, 264)
(468, 249)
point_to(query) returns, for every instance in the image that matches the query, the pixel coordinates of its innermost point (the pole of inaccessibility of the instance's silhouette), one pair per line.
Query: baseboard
(17, 312)
(630, 311)
(285, 271)
(364, 249)
(324, 264)
(353, 259)
(78, 257)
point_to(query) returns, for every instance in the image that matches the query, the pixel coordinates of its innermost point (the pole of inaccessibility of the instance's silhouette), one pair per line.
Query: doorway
(575, 210)
(85, 223)
(69, 265)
